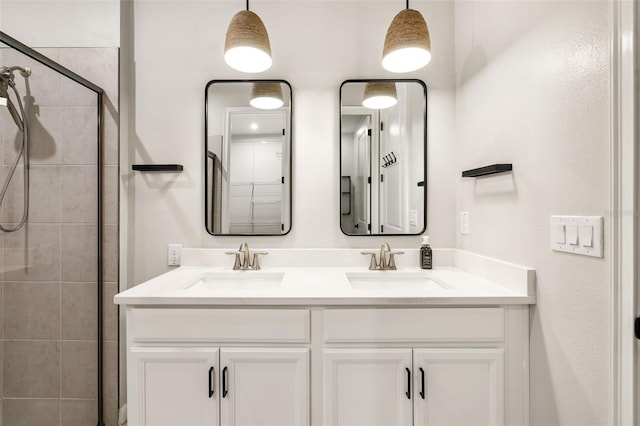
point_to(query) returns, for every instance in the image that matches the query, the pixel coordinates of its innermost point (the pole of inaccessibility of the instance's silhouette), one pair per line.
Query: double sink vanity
(315, 337)
(295, 337)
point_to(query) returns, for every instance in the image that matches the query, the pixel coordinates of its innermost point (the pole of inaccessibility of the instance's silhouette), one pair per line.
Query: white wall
(62, 23)
(533, 90)
(178, 47)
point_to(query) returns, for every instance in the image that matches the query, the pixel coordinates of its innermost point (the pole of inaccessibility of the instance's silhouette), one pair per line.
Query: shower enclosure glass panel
(50, 340)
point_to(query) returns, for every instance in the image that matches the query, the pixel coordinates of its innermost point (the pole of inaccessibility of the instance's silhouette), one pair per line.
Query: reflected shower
(7, 81)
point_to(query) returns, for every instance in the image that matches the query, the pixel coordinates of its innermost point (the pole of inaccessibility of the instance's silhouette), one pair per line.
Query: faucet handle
(236, 264)
(255, 264)
(392, 259)
(373, 265)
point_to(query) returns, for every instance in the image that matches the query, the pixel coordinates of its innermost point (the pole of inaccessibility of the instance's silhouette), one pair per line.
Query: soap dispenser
(426, 255)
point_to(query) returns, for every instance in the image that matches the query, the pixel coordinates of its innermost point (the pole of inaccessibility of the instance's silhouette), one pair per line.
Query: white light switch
(560, 234)
(582, 234)
(572, 234)
(586, 235)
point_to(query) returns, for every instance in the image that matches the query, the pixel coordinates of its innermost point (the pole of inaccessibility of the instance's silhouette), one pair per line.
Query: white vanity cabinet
(367, 387)
(429, 366)
(404, 387)
(459, 386)
(169, 386)
(201, 367)
(328, 365)
(264, 386)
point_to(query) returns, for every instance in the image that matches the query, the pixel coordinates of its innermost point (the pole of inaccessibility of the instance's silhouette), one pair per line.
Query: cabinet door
(264, 387)
(367, 387)
(459, 387)
(173, 386)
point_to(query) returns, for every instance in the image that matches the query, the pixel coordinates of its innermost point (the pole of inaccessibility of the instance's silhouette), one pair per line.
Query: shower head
(6, 81)
(24, 71)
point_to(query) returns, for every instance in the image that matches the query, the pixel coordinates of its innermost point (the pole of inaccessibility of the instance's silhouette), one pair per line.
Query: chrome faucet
(387, 258)
(247, 261)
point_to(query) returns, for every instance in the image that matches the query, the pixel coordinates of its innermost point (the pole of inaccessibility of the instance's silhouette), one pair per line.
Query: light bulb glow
(379, 102)
(406, 60)
(407, 46)
(247, 59)
(266, 102)
(379, 95)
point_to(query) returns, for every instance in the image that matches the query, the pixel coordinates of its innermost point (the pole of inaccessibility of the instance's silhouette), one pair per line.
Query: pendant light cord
(248, 4)
(407, 3)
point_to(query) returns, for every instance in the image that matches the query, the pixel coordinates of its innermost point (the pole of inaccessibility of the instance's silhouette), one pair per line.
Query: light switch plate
(464, 223)
(584, 235)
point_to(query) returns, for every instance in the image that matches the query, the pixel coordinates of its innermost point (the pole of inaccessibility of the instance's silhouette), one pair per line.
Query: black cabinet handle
(408, 392)
(422, 390)
(224, 382)
(211, 381)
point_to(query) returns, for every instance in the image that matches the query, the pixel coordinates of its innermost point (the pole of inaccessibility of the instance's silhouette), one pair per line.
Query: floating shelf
(488, 170)
(157, 167)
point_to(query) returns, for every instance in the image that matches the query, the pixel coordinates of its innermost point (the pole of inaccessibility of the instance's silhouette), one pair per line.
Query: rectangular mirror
(383, 147)
(248, 157)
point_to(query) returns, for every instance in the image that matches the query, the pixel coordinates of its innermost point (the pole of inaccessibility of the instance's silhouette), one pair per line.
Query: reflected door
(362, 193)
(393, 187)
(255, 167)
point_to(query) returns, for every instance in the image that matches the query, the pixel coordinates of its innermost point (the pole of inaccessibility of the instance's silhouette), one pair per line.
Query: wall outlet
(464, 223)
(173, 254)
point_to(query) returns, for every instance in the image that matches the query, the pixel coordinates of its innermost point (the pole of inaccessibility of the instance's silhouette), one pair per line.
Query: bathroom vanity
(319, 345)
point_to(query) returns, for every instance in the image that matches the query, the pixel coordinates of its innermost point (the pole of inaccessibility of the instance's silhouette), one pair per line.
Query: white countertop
(494, 283)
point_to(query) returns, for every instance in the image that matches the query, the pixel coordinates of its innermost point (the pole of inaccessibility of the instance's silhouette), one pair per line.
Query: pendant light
(407, 46)
(380, 95)
(247, 46)
(266, 95)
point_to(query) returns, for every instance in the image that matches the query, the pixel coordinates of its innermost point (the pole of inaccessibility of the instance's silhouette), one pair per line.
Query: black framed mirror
(383, 157)
(248, 157)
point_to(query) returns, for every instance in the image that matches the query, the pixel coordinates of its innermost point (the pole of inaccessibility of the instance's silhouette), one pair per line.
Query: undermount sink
(394, 281)
(239, 280)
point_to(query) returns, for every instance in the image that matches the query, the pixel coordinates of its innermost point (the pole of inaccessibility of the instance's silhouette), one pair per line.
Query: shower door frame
(31, 53)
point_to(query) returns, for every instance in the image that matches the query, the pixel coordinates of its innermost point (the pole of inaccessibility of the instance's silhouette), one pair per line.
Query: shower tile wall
(48, 313)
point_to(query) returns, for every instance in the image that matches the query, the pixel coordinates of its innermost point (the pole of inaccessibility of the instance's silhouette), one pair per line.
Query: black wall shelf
(488, 170)
(157, 167)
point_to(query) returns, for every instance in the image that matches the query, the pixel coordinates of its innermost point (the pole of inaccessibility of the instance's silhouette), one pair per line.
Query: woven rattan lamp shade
(407, 46)
(247, 46)
(380, 95)
(266, 95)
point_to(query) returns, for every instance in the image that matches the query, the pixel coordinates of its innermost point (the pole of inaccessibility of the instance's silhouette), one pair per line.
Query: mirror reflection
(248, 157)
(383, 157)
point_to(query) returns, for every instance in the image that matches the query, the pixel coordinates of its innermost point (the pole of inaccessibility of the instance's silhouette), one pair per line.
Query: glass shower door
(49, 268)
